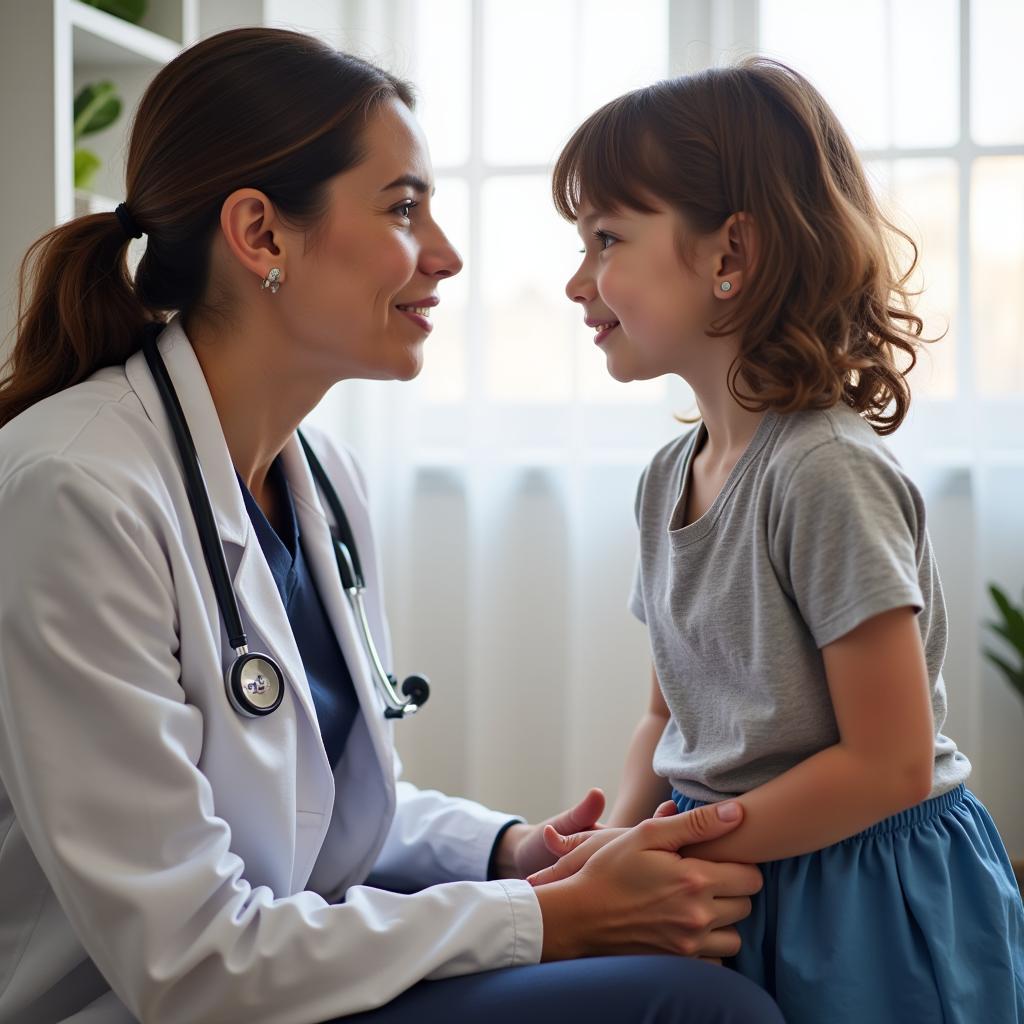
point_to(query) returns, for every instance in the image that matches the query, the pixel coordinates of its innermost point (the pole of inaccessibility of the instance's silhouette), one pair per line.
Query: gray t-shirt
(816, 530)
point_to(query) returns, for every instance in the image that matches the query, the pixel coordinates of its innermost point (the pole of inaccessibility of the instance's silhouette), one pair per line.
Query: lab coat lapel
(255, 590)
(263, 611)
(319, 548)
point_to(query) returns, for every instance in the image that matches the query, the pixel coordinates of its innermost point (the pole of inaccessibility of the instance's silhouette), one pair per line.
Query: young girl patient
(786, 577)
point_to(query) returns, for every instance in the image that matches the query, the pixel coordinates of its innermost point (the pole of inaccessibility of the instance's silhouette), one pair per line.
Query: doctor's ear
(254, 232)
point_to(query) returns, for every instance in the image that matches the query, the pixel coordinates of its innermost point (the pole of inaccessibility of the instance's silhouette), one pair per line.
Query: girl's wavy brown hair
(826, 315)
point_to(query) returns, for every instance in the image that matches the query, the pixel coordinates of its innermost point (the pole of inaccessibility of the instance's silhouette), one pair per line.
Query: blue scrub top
(330, 683)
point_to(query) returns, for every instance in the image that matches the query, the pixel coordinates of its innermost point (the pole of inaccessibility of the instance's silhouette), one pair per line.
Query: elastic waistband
(924, 811)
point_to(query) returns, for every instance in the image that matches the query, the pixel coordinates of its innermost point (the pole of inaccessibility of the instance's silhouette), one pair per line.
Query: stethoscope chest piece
(255, 685)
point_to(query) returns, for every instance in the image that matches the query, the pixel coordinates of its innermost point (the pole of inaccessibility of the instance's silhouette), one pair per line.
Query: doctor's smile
(419, 311)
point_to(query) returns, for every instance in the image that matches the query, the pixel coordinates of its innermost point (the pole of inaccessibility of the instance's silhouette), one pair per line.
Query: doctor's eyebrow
(410, 181)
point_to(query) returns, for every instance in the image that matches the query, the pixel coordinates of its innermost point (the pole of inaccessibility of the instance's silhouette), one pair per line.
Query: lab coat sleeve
(100, 755)
(435, 838)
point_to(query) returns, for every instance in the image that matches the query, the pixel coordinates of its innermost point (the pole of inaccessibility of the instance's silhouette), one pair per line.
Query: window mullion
(474, 174)
(965, 164)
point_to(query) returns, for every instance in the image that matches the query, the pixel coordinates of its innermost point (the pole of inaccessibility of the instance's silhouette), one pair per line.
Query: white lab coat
(161, 856)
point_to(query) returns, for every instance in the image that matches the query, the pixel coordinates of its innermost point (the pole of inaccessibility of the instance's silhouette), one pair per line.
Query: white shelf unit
(100, 38)
(48, 50)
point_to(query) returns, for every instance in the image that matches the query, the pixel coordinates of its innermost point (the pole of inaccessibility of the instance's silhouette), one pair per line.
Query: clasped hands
(650, 896)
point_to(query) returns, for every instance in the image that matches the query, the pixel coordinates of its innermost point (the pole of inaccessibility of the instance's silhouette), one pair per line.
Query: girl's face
(358, 295)
(649, 309)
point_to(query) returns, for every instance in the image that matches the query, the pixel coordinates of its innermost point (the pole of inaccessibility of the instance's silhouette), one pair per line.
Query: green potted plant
(97, 106)
(127, 10)
(1010, 627)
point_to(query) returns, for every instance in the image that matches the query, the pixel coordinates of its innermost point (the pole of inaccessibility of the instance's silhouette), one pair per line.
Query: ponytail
(84, 313)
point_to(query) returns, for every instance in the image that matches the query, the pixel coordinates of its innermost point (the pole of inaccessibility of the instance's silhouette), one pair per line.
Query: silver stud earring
(726, 286)
(272, 280)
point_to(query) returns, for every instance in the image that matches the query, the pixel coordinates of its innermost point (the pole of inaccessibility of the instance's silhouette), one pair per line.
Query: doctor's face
(359, 294)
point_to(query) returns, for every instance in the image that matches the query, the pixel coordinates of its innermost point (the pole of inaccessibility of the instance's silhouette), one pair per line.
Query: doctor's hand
(634, 893)
(523, 849)
(582, 846)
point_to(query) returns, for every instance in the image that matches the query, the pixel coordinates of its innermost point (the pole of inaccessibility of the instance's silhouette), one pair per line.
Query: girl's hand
(573, 851)
(636, 894)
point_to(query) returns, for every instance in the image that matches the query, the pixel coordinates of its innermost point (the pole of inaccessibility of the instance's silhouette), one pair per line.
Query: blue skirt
(916, 920)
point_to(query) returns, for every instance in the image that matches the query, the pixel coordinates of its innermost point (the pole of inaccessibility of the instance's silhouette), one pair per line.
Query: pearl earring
(726, 286)
(272, 281)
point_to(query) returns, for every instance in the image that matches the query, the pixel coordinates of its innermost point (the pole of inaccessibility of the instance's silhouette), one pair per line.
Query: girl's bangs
(603, 164)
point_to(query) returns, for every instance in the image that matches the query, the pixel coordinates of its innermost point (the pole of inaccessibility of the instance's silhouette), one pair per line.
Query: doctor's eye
(404, 209)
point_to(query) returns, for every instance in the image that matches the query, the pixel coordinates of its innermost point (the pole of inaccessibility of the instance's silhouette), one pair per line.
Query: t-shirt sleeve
(636, 594)
(844, 538)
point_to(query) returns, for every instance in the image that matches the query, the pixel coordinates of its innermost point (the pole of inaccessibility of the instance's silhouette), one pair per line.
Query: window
(502, 87)
(924, 87)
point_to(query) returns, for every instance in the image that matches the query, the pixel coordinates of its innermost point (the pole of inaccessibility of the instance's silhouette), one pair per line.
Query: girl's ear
(736, 255)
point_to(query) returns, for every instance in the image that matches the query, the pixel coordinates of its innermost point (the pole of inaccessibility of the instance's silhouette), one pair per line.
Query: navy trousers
(598, 990)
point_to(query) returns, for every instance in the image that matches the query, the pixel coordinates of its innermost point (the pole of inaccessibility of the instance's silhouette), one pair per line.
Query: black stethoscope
(255, 682)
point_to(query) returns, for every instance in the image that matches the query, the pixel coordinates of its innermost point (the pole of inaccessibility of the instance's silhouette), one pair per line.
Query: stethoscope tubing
(247, 674)
(198, 496)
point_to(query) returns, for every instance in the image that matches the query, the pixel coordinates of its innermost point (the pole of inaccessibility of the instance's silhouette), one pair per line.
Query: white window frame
(969, 428)
(957, 431)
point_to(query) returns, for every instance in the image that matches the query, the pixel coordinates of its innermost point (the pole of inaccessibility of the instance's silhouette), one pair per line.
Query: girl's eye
(406, 208)
(605, 240)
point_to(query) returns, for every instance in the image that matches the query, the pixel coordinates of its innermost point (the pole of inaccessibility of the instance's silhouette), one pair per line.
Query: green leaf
(87, 164)
(96, 107)
(1014, 676)
(1016, 642)
(1012, 616)
(127, 10)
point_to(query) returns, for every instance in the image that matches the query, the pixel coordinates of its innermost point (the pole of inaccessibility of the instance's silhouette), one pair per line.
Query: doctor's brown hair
(259, 108)
(826, 313)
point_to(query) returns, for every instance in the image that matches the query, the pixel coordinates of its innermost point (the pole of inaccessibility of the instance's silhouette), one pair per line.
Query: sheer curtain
(503, 478)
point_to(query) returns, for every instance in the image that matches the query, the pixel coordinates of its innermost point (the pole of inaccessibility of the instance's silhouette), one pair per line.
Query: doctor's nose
(440, 258)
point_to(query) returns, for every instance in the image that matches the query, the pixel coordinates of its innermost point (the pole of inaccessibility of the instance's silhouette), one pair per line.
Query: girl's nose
(580, 287)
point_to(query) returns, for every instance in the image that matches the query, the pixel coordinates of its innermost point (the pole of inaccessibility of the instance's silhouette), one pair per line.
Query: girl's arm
(882, 764)
(641, 790)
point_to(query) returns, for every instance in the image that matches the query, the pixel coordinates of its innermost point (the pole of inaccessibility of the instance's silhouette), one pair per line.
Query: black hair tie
(127, 222)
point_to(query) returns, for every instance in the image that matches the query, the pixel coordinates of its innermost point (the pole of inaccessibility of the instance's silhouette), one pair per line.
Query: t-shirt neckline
(683, 535)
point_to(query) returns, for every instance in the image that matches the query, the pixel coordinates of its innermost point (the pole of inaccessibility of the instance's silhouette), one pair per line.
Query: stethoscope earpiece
(417, 689)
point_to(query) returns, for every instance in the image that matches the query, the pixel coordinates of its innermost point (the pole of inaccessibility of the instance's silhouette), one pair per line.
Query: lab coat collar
(203, 423)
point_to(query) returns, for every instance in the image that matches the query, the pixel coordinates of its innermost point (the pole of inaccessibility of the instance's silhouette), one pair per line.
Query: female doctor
(200, 812)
